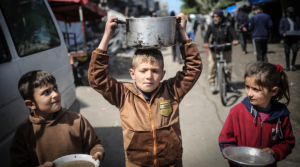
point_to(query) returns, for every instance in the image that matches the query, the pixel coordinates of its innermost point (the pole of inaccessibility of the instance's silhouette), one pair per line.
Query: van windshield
(30, 25)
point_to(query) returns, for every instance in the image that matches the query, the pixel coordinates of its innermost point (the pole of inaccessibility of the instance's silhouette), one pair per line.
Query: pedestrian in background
(250, 15)
(196, 23)
(290, 23)
(190, 27)
(176, 47)
(153, 14)
(202, 22)
(231, 20)
(242, 23)
(259, 25)
(222, 32)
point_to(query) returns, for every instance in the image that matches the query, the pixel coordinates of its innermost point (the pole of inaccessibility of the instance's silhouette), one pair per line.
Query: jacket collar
(133, 88)
(277, 109)
(59, 114)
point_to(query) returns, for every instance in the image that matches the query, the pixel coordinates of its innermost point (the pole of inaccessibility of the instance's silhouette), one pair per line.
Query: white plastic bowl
(75, 157)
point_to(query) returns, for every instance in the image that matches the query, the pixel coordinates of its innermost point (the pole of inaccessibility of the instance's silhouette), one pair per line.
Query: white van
(30, 39)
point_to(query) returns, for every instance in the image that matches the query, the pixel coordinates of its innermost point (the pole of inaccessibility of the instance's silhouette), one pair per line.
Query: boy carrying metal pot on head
(149, 108)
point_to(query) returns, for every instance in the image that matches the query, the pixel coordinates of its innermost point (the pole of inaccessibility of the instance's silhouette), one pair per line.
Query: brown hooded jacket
(151, 132)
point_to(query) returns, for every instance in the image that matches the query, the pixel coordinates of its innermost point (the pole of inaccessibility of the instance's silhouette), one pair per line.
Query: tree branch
(205, 7)
(216, 5)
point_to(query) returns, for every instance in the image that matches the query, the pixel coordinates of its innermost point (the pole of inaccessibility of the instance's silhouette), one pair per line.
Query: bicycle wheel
(222, 83)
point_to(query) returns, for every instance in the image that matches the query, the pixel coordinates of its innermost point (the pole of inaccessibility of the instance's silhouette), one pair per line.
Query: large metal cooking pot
(150, 33)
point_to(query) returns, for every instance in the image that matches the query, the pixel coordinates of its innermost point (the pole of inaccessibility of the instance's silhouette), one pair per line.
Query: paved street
(201, 113)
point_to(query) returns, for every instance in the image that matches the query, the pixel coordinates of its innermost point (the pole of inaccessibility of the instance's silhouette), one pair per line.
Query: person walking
(290, 23)
(222, 33)
(250, 15)
(231, 20)
(242, 23)
(190, 27)
(259, 25)
(176, 47)
(202, 22)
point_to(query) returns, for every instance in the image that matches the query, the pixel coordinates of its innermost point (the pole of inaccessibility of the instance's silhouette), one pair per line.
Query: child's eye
(45, 92)
(256, 89)
(55, 88)
(246, 86)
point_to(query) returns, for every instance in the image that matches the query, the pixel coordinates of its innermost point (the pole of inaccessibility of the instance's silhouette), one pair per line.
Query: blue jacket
(285, 25)
(242, 19)
(259, 25)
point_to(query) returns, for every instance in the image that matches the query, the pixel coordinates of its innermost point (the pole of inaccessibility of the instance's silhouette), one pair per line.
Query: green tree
(205, 6)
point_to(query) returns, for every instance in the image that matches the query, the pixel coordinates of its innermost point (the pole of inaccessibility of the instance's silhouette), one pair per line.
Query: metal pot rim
(150, 18)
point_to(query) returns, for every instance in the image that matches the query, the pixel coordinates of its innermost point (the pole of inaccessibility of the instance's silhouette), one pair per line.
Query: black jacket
(285, 26)
(222, 33)
(242, 19)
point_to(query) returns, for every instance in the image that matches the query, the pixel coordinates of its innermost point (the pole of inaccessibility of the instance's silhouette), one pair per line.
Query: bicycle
(221, 71)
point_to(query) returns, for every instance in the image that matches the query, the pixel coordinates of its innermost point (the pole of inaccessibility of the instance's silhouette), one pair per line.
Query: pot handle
(178, 20)
(120, 21)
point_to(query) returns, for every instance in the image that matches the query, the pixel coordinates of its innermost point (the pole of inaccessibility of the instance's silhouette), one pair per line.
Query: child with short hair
(149, 109)
(51, 131)
(260, 121)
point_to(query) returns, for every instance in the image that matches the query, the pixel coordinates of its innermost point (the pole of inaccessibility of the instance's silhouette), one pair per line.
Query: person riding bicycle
(222, 33)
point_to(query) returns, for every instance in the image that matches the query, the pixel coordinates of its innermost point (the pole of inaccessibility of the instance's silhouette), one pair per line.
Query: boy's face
(147, 75)
(47, 100)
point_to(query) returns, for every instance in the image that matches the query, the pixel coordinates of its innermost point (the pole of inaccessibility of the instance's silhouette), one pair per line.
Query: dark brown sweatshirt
(38, 141)
(151, 132)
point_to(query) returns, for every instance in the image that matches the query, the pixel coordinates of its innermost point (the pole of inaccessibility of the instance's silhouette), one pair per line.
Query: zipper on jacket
(261, 129)
(154, 136)
(152, 127)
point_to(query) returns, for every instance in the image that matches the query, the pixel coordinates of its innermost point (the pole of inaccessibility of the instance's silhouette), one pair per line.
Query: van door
(13, 112)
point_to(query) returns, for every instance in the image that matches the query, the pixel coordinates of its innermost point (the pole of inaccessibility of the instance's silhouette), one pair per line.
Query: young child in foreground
(260, 121)
(149, 109)
(51, 131)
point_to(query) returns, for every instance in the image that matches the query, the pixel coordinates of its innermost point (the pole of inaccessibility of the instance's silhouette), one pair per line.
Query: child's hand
(269, 150)
(110, 29)
(98, 155)
(48, 164)
(182, 26)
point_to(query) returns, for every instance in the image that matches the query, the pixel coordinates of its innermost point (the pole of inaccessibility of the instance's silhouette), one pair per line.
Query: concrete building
(163, 8)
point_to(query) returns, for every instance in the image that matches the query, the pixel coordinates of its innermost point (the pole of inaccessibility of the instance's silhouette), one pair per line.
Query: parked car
(30, 39)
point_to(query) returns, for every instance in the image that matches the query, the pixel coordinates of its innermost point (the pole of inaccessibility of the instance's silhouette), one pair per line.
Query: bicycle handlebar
(220, 45)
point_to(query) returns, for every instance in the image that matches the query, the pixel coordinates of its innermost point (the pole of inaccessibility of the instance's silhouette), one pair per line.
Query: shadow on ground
(112, 141)
(232, 98)
(238, 85)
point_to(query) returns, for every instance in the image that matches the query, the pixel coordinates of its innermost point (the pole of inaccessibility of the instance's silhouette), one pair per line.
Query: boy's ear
(163, 74)
(30, 104)
(275, 90)
(131, 71)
